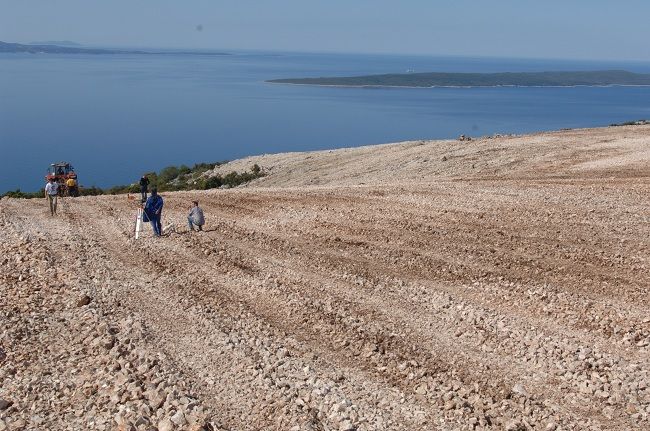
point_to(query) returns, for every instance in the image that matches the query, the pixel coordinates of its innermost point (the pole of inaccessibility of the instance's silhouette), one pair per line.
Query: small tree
(167, 174)
(183, 170)
(213, 182)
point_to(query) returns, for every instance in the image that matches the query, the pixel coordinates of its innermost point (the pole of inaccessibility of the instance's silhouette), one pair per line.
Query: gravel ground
(492, 284)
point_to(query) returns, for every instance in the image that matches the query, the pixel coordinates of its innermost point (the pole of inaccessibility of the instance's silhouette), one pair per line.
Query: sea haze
(117, 116)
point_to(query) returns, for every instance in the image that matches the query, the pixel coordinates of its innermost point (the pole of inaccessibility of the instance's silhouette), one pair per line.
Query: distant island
(57, 49)
(57, 42)
(506, 79)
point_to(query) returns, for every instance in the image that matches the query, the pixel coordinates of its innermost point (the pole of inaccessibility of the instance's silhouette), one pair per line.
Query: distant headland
(57, 42)
(506, 79)
(58, 49)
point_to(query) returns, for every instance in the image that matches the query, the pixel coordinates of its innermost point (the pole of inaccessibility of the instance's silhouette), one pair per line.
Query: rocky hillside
(610, 151)
(490, 284)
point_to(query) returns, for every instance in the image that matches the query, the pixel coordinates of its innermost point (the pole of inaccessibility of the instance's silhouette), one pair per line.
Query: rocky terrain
(495, 283)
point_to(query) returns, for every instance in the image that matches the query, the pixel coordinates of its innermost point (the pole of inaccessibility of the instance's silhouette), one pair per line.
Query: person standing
(195, 217)
(71, 185)
(153, 210)
(52, 195)
(144, 185)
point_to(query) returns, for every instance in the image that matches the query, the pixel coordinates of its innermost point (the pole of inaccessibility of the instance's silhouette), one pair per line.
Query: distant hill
(579, 153)
(57, 49)
(67, 43)
(522, 79)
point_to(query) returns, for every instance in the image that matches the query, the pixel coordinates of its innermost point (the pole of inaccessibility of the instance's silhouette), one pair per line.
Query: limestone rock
(84, 300)
(165, 425)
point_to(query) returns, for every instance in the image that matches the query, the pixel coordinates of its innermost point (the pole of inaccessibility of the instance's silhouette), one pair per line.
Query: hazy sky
(592, 29)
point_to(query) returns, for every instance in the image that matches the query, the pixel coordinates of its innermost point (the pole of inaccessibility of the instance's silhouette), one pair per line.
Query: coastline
(458, 86)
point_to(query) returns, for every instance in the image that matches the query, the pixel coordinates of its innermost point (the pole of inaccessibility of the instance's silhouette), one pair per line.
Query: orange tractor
(64, 174)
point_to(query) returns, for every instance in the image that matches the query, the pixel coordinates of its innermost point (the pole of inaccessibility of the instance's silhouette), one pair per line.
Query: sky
(575, 29)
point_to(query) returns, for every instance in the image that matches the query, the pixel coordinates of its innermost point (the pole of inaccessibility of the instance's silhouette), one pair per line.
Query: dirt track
(505, 299)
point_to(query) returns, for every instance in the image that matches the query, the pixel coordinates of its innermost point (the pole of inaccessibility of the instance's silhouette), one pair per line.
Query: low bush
(24, 195)
(90, 191)
(631, 123)
(169, 179)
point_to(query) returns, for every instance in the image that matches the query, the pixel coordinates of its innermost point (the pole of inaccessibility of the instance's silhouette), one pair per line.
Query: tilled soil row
(309, 393)
(69, 360)
(564, 350)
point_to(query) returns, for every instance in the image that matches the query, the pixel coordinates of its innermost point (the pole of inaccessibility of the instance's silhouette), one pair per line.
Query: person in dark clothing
(153, 210)
(144, 185)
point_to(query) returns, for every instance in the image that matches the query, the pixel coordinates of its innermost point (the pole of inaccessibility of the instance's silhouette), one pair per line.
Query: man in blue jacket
(153, 210)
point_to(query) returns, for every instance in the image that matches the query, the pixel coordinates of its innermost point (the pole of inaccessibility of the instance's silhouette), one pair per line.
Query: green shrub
(183, 170)
(631, 123)
(115, 190)
(90, 191)
(213, 182)
(200, 168)
(167, 174)
(24, 195)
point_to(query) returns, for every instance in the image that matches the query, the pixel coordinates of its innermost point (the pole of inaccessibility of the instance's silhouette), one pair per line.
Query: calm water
(115, 117)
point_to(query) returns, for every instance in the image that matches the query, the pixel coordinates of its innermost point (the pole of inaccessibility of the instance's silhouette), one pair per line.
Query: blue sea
(116, 116)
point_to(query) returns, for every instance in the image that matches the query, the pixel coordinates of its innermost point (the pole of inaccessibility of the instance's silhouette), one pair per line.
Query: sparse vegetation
(171, 178)
(90, 191)
(24, 195)
(631, 123)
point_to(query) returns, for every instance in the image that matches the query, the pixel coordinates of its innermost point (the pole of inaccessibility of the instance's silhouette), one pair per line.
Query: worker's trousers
(155, 224)
(53, 200)
(191, 223)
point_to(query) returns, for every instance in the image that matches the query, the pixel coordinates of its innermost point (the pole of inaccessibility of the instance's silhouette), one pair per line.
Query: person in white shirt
(51, 194)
